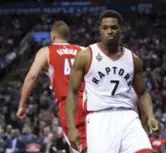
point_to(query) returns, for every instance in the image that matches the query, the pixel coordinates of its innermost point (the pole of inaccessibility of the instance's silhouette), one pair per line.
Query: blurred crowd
(12, 29)
(41, 131)
(11, 34)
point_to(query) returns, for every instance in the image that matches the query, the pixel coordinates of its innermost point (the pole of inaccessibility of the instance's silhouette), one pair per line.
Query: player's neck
(59, 41)
(110, 48)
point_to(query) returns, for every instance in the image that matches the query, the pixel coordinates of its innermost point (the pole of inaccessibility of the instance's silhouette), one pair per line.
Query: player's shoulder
(84, 52)
(83, 56)
(42, 55)
(43, 51)
(83, 48)
(128, 50)
(138, 63)
(136, 58)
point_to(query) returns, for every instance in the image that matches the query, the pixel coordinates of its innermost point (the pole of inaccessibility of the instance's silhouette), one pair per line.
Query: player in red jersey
(158, 143)
(57, 58)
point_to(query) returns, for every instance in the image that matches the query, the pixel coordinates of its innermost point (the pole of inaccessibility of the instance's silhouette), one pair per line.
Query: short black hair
(111, 13)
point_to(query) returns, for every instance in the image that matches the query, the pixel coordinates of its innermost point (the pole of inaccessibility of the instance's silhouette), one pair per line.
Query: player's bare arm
(144, 96)
(78, 71)
(40, 62)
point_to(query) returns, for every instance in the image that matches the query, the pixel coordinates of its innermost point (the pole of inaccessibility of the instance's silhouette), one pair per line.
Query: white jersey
(108, 81)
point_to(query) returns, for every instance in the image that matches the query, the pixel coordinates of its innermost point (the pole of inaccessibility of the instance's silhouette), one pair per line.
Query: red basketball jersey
(61, 58)
(157, 144)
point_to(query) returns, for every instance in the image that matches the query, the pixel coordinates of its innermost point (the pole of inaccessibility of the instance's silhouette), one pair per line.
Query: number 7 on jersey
(116, 83)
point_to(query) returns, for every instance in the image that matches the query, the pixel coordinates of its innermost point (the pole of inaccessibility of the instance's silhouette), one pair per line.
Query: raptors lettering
(115, 70)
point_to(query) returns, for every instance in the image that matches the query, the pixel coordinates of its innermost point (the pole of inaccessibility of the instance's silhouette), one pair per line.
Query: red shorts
(80, 121)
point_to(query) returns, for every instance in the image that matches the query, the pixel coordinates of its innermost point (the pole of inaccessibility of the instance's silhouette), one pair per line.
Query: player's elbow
(142, 93)
(144, 96)
(31, 76)
(72, 95)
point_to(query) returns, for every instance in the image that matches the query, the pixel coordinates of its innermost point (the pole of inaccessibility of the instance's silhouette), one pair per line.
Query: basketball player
(109, 72)
(57, 59)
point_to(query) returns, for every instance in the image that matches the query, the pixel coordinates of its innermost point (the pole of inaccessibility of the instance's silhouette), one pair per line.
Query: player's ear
(120, 27)
(53, 36)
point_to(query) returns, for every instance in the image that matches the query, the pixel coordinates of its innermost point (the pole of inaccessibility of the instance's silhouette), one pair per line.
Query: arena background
(24, 28)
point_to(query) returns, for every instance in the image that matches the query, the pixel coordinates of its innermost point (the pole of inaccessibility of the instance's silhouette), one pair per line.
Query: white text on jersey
(67, 51)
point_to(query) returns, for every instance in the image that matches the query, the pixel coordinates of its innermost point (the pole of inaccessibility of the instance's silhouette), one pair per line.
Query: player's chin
(111, 39)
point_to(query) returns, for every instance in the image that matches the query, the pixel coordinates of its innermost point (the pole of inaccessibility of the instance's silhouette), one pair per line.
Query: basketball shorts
(115, 131)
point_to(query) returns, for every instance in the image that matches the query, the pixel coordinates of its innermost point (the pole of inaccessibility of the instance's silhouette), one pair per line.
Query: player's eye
(114, 27)
(104, 27)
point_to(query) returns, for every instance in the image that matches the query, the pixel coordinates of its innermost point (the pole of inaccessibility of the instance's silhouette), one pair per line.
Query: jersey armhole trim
(90, 62)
